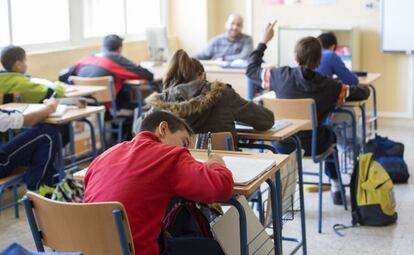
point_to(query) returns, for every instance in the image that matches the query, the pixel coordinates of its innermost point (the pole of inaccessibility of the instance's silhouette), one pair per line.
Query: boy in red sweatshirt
(146, 172)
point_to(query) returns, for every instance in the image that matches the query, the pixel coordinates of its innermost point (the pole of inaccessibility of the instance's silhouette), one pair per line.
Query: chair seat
(320, 156)
(19, 172)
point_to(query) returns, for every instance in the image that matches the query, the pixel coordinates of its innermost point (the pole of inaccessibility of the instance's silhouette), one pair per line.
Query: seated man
(110, 62)
(34, 147)
(331, 63)
(231, 45)
(145, 173)
(13, 79)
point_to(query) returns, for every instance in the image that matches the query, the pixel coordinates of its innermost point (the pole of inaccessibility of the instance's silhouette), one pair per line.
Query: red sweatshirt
(144, 174)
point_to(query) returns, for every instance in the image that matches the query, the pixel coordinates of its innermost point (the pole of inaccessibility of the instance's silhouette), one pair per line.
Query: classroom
(178, 127)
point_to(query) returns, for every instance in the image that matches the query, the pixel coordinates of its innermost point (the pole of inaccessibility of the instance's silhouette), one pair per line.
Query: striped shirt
(10, 120)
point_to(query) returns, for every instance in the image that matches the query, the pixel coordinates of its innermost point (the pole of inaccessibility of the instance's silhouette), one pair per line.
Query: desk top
(157, 70)
(70, 114)
(238, 189)
(83, 90)
(279, 135)
(369, 79)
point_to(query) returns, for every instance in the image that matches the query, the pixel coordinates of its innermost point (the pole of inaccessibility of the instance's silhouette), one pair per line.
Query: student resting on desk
(35, 147)
(110, 62)
(146, 173)
(231, 45)
(13, 79)
(206, 106)
(303, 82)
(331, 63)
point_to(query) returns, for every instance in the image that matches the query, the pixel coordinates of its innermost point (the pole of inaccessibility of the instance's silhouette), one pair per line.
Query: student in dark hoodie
(206, 106)
(303, 82)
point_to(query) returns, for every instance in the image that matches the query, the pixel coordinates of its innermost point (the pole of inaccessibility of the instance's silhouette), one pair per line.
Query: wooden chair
(219, 141)
(306, 109)
(105, 96)
(12, 181)
(93, 229)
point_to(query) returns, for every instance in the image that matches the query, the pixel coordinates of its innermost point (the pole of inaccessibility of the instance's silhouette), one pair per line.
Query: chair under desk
(247, 190)
(288, 132)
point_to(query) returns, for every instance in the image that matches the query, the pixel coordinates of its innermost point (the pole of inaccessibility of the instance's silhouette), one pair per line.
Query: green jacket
(30, 91)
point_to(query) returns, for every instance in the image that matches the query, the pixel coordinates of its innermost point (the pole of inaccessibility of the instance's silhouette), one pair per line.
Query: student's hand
(51, 104)
(214, 158)
(269, 32)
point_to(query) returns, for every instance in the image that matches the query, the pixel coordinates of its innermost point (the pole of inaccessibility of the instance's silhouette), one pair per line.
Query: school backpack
(372, 194)
(186, 230)
(390, 155)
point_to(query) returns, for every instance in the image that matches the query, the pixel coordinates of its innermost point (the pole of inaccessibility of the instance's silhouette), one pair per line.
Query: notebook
(246, 170)
(60, 110)
(279, 125)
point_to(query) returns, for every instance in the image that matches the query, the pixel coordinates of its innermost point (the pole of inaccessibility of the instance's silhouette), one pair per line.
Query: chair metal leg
(121, 231)
(15, 201)
(320, 190)
(341, 185)
(260, 206)
(32, 223)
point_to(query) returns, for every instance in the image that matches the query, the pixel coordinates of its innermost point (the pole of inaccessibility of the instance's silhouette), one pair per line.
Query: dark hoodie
(211, 107)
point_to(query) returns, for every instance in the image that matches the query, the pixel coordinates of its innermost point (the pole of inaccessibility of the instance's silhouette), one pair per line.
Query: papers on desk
(237, 63)
(245, 170)
(60, 110)
(279, 125)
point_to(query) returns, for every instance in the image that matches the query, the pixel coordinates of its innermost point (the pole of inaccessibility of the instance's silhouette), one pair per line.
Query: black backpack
(390, 155)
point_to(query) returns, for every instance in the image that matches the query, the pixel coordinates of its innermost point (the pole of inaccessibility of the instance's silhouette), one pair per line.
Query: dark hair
(175, 123)
(327, 40)
(10, 55)
(182, 68)
(308, 52)
(112, 42)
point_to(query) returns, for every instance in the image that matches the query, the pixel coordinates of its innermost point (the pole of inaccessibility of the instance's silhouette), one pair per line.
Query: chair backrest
(304, 108)
(219, 141)
(105, 81)
(89, 228)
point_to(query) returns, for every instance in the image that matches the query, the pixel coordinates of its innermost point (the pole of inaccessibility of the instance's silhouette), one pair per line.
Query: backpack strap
(338, 227)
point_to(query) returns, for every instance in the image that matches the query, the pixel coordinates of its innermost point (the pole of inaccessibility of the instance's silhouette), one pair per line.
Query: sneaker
(337, 198)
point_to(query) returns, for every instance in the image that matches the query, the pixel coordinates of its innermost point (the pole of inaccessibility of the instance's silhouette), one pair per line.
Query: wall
(394, 88)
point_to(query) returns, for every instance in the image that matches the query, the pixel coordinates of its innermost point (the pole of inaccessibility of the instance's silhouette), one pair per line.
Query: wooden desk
(83, 90)
(157, 70)
(370, 78)
(296, 126)
(70, 115)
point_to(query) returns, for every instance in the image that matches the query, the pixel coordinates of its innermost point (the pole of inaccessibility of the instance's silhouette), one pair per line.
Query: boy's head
(169, 128)
(13, 59)
(328, 41)
(308, 52)
(112, 43)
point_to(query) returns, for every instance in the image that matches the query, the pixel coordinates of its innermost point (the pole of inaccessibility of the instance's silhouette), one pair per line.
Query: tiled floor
(395, 239)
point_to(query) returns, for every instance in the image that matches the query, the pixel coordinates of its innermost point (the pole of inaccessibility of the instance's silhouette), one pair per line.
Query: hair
(112, 43)
(327, 40)
(182, 68)
(10, 55)
(175, 123)
(308, 52)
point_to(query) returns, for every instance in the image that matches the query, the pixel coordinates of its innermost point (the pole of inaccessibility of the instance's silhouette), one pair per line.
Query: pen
(53, 95)
(208, 144)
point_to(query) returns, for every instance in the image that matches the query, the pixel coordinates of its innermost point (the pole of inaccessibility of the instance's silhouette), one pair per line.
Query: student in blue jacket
(331, 63)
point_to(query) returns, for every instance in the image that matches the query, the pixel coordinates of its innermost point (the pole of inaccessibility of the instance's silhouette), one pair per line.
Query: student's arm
(207, 53)
(357, 93)
(247, 112)
(135, 71)
(342, 71)
(200, 182)
(244, 54)
(37, 116)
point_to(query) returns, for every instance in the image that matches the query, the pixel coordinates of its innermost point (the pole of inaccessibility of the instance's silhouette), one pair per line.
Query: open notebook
(60, 110)
(279, 125)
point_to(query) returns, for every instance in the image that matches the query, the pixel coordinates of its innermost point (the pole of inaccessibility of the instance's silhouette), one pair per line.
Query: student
(34, 147)
(206, 106)
(231, 45)
(110, 62)
(303, 82)
(146, 173)
(331, 63)
(14, 81)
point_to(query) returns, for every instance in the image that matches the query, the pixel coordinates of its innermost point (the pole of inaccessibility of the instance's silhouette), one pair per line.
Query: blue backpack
(390, 155)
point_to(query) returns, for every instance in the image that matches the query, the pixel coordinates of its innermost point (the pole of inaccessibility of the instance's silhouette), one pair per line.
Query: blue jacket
(332, 64)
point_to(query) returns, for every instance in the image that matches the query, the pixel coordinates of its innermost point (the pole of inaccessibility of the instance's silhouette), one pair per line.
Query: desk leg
(276, 200)
(93, 138)
(101, 123)
(364, 135)
(244, 248)
(301, 194)
(374, 107)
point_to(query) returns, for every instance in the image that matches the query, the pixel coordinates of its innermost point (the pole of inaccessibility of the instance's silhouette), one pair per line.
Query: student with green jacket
(13, 79)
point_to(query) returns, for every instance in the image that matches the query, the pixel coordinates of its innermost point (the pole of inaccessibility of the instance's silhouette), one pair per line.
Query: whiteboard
(397, 19)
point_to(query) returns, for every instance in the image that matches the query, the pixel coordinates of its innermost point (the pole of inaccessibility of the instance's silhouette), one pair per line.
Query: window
(4, 24)
(40, 21)
(102, 17)
(142, 14)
